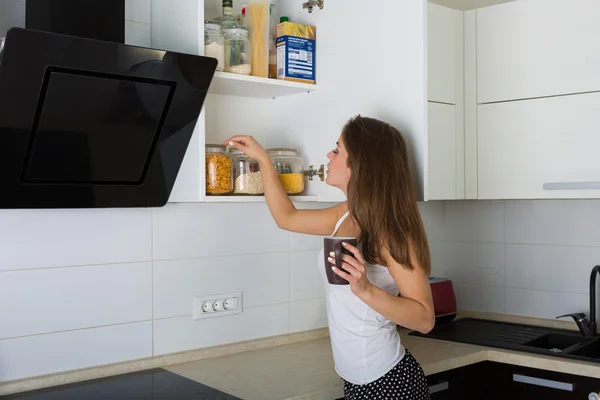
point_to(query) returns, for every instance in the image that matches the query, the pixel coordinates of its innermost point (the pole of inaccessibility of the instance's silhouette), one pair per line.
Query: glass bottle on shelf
(227, 20)
(218, 170)
(290, 169)
(247, 179)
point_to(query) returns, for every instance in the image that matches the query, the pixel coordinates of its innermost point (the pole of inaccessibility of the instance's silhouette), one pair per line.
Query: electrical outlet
(217, 305)
(207, 307)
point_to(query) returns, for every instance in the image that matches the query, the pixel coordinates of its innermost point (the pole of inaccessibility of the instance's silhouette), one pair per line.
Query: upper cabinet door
(536, 48)
(365, 65)
(442, 140)
(444, 54)
(542, 148)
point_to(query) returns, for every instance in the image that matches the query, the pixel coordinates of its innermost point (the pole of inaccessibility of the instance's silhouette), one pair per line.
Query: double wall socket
(217, 305)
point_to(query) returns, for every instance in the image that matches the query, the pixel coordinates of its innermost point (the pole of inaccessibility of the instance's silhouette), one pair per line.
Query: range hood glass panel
(86, 123)
(104, 138)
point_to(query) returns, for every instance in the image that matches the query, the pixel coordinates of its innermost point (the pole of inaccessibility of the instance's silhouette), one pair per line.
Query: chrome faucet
(588, 328)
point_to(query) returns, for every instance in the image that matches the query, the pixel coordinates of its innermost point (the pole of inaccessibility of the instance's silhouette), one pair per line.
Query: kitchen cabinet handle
(572, 186)
(530, 380)
(439, 387)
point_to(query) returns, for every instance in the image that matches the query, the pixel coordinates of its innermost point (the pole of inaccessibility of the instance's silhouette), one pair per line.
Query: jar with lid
(214, 43)
(218, 170)
(290, 169)
(246, 175)
(238, 50)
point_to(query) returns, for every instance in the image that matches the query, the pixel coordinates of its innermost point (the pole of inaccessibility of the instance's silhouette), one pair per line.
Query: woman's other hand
(357, 271)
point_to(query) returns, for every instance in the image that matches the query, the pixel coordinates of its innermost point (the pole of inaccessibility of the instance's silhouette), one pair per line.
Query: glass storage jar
(214, 43)
(246, 175)
(238, 50)
(218, 170)
(290, 169)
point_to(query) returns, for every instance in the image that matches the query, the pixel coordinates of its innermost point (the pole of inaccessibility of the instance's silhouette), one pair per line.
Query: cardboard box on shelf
(296, 45)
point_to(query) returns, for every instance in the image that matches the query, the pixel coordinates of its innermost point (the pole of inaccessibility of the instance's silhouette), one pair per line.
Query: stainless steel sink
(556, 342)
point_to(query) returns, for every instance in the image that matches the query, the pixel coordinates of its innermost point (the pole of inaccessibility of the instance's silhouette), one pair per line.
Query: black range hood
(93, 124)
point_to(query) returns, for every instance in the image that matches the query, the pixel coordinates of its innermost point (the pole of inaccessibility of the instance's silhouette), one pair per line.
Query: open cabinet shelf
(252, 86)
(254, 199)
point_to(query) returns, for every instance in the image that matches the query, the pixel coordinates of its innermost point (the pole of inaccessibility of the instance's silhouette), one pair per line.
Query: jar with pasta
(218, 170)
(290, 169)
(247, 180)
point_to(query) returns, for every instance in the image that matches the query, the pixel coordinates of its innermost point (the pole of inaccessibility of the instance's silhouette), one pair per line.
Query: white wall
(12, 14)
(529, 258)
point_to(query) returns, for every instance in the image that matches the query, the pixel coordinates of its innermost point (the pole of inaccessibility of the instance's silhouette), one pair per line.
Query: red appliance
(444, 300)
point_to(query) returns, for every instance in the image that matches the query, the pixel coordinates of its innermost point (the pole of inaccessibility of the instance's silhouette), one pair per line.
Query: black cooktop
(155, 384)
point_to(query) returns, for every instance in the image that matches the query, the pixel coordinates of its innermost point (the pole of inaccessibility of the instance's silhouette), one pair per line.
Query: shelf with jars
(232, 176)
(229, 39)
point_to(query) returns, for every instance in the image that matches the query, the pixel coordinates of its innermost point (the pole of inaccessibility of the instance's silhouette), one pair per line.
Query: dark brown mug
(333, 245)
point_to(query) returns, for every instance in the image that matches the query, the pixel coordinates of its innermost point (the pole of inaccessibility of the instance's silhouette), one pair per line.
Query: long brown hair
(381, 195)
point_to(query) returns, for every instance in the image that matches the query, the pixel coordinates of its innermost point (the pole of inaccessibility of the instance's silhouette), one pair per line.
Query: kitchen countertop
(300, 366)
(303, 371)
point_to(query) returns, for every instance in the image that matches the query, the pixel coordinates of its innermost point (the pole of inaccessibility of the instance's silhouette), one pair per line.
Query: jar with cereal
(218, 170)
(290, 169)
(246, 175)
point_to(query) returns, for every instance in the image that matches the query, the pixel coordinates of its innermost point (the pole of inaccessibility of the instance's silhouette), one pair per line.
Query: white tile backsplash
(55, 238)
(45, 354)
(208, 230)
(432, 213)
(60, 299)
(183, 333)
(306, 281)
(545, 304)
(300, 242)
(555, 222)
(475, 221)
(550, 247)
(476, 263)
(480, 298)
(307, 315)
(437, 252)
(264, 279)
(553, 268)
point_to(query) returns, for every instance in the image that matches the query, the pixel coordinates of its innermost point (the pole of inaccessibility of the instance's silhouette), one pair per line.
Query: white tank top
(365, 344)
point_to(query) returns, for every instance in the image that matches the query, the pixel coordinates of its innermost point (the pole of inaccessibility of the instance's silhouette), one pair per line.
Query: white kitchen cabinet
(541, 148)
(536, 48)
(442, 138)
(363, 67)
(445, 61)
(444, 54)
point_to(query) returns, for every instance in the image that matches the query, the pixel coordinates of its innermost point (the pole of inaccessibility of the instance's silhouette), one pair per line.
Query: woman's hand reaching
(249, 146)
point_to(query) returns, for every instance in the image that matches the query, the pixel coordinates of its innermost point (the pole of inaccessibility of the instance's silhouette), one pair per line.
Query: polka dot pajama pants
(406, 381)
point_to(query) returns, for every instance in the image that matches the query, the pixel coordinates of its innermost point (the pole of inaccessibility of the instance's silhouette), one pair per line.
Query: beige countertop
(305, 370)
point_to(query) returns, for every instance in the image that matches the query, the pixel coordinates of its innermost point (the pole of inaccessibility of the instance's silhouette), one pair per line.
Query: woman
(370, 165)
